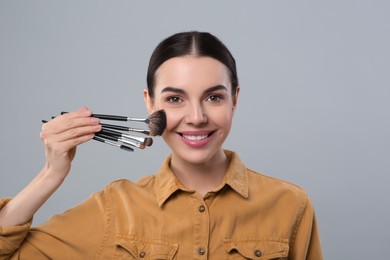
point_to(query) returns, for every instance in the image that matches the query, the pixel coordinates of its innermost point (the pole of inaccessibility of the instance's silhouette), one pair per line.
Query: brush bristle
(157, 122)
(126, 148)
(148, 141)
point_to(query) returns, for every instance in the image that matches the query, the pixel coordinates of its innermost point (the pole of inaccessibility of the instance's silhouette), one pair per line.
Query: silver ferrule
(112, 143)
(134, 119)
(132, 143)
(142, 131)
(134, 138)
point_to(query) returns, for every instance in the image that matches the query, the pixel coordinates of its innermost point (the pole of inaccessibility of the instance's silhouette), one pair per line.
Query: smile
(195, 137)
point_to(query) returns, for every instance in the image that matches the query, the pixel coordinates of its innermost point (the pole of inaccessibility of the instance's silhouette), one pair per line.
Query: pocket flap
(147, 248)
(257, 249)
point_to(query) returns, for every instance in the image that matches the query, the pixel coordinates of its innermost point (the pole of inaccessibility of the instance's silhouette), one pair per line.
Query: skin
(196, 94)
(60, 138)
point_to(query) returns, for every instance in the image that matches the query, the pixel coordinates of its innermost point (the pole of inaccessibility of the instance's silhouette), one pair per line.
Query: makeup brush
(121, 146)
(144, 140)
(110, 142)
(121, 140)
(128, 129)
(156, 122)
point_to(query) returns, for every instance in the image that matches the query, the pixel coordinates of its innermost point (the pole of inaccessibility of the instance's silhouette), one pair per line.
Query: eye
(174, 100)
(215, 98)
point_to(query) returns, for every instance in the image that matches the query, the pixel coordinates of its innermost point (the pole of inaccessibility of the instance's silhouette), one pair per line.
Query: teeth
(195, 137)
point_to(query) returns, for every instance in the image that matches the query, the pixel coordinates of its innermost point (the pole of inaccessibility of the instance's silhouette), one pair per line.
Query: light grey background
(313, 108)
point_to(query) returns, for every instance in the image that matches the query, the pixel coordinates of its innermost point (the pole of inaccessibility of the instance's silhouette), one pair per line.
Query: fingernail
(95, 120)
(97, 127)
(86, 111)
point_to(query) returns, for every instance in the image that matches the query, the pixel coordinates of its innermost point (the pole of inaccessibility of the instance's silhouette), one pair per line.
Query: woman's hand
(62, 135)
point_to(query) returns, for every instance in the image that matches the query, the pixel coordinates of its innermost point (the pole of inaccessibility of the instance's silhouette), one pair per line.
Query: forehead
(195, 71)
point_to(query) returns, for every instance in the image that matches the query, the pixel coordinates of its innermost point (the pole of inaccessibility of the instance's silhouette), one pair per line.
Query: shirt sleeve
(11, 237)
(78, 233)
(307, 244)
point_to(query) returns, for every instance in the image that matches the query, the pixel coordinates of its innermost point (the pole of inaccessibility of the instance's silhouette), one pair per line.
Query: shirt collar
(236, 177)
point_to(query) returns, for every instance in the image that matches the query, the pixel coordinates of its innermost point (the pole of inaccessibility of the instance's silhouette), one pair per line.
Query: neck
(200, 177)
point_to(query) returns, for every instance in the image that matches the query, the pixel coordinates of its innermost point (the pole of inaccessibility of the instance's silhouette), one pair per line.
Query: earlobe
(148, 102)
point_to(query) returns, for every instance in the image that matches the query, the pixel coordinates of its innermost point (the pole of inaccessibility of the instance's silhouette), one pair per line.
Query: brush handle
(123, 147)
(115, 127)
(109, 137)
(121, 139)
(111, 140)
(116, 118)
(110, 132)
(125, 128)
(120, 118)
(110, 117)
(119, 134)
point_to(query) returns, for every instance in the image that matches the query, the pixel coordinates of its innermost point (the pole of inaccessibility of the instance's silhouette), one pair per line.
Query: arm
(60, 137)
(307, 243)
(78, 233)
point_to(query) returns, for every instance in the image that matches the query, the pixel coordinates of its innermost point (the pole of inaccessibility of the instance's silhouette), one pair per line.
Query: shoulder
(123, 184)
(124, 189)
(277, 188)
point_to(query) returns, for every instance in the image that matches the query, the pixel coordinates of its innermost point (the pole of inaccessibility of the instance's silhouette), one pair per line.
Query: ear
(235, 98)
(148, 102)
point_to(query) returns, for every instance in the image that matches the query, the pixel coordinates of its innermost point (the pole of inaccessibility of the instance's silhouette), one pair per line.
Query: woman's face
(196, 94)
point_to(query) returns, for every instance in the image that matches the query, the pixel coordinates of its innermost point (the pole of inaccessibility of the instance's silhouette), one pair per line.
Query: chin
(198, 156)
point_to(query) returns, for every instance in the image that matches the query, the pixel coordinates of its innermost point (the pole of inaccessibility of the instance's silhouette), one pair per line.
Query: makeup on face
(195, 93)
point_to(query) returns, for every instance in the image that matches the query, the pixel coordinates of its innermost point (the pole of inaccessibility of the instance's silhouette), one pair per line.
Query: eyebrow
(181, 91)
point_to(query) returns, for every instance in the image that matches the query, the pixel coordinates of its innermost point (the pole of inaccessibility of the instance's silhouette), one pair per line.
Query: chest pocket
(255, 249)
(131, 247)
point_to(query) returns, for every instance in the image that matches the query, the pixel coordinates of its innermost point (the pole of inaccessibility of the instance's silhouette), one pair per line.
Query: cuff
(11, 237)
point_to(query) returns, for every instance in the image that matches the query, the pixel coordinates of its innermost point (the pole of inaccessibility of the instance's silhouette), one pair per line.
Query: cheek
(222, 118)
(173, 119)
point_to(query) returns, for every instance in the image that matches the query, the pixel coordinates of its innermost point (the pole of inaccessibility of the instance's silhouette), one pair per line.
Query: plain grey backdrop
(313, 108)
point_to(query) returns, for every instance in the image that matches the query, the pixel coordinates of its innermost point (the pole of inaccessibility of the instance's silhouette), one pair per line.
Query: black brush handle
(124, 128)
(116, 127)
(110, 132)
(126, 148)
(106, 117)
(123, 147)
(109, 137)
(110, 117)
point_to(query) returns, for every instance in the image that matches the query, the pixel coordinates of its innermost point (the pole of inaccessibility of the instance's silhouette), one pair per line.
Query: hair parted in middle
(191, 43)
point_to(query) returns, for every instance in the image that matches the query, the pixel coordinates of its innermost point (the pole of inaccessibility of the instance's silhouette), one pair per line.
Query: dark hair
(191, 43)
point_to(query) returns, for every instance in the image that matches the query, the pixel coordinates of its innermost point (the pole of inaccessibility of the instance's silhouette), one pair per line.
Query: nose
(196, 115)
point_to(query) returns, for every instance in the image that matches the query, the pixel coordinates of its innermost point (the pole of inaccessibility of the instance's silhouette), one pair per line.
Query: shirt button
(142, 254)
(202, 208)
(258, 253)
(201, 251)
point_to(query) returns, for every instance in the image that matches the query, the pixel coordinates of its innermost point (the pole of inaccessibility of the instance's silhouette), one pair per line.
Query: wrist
(53, 175)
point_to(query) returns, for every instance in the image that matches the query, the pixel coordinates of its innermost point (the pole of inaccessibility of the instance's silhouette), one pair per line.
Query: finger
(55, 147)
(69, 134)
(65, 122)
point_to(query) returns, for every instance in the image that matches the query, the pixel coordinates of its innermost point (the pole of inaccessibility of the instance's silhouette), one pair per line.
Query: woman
(202, 204)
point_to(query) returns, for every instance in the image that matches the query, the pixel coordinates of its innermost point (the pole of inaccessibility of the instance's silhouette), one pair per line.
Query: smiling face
(196, 94)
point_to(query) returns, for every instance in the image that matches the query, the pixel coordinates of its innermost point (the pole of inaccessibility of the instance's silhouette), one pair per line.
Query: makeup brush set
(119, 135)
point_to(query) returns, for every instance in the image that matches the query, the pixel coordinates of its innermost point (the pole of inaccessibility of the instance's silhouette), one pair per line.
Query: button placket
(201, 227)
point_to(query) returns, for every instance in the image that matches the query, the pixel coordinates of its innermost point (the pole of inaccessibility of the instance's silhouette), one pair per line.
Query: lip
(196, 139)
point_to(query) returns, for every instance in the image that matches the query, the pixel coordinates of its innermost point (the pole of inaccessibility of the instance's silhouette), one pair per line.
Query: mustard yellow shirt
(248, 216)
